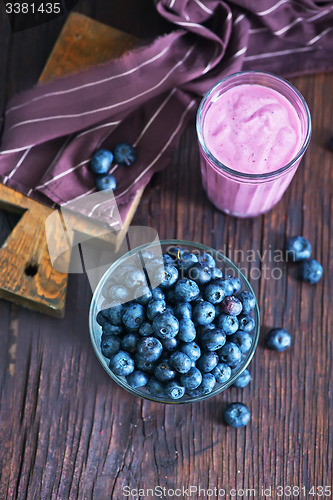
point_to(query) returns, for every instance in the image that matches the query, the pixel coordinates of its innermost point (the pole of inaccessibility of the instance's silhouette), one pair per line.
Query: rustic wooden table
(67, 431)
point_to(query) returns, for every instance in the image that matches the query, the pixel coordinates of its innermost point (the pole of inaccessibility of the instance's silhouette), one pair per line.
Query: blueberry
(105, 182)
(174, 390)
(231, 305)
(298, 249)
(163, 371)
(236, 284)
(200, 273)
(248, 300)
(183, 310)
(124, 154)
(203, 313)
(246, 323)
(186, 290)
(147, 255)
(169, 344)
(146, 329)
(192, 379)
(230, 354)
(149, 348)
(143, 295)
(229, 324)
(243, 341)
(214, 293)
(226, 285)
(101, 318)
(134, 279)
(237, 415)
(101, 161)
(187, 331)
(143, 364)
(206, 386)
(110, 345)
(156, 388)
(171, 297)
(134, 316)
(175, 252)
(157, 294)
(166, 276)
(311, 271)
(137, 379)
(278, 339)
(206, 259)
(155, 307)
(191, 349)
(167, 259)
(222, 373)
(243, 380)
(109, 329)
(180, 362)
(165, 325)
(114, 313)
(119, 294)
(129, 342)
(212, 340)
(216, 273)
(186, 261)
(207, 361)
(122, 363)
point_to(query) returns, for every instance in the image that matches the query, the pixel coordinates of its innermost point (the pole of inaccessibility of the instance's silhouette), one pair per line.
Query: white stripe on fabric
(277, 53)
(172, 3)
(62, 174)
(239, 19)
(16, 150)
(204, 7)
(257, 30)
(79, 197)
(17, 166)
(271, 9)
(47, 118)
(163, 149)
(92, 84)
(238, 53)
(96, 128)
(316, 38)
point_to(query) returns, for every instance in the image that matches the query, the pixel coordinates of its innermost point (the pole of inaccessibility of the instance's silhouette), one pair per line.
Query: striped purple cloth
(149, 96)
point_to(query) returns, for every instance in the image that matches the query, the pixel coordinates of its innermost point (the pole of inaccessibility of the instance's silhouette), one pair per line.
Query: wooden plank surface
(68, 432)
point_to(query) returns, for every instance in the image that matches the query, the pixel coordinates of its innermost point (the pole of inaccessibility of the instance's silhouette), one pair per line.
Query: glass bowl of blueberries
(174, 322)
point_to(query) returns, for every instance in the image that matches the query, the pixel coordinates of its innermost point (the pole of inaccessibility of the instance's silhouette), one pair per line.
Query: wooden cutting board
(26, 274)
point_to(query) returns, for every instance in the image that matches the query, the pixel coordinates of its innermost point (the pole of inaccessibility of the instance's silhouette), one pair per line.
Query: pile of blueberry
(123, 154)
(186, 336)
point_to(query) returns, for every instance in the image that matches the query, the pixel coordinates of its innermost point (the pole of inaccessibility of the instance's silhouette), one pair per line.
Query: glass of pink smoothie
(253, 129)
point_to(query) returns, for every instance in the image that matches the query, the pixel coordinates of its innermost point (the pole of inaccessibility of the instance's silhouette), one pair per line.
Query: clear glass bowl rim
(189, 244)
(241, 175)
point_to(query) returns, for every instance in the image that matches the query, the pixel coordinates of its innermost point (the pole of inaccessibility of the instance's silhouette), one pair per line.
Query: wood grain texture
(68, 432)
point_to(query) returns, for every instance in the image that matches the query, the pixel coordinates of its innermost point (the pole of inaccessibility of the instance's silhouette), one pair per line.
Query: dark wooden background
(67, 431)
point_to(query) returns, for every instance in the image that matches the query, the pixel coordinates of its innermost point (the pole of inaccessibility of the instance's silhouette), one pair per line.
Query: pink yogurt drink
(253, 129)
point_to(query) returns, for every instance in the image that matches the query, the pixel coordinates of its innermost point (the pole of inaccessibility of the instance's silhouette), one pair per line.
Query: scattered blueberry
(298, 248)
(311, 271)
(105, 182)
(101, 161)
(124, 154)
(243, 380)
(237, 415)
(278, 339)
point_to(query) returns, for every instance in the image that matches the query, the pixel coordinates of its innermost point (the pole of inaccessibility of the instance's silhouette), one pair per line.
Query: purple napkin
(147, 97)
